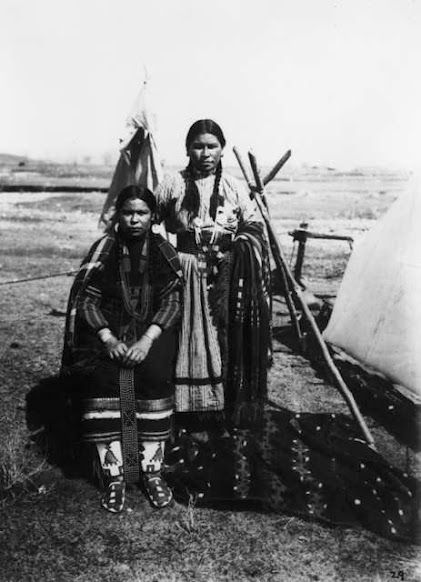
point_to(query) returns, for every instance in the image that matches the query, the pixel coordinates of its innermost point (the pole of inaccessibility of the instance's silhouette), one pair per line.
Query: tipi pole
(243, 168)
(277, 167)
(286, 286)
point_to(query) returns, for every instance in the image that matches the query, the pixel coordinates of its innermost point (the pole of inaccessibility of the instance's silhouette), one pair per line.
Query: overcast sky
(338, 82)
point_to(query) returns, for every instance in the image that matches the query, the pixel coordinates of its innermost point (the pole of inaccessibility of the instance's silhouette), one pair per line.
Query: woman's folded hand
(137, 352)
(115, 349)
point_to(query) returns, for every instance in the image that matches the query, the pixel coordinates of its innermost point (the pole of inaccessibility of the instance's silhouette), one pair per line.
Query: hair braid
(191, 201)
(216, 199)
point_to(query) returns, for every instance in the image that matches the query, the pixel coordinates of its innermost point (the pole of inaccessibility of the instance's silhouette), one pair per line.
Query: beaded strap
(129, 426)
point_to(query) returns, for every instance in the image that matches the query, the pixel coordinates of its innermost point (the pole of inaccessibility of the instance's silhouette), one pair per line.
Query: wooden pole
(277, 167)
(309, 234)
(257, 178)
(288, 297)
(292, 284)
(301, 236)
(242, 167)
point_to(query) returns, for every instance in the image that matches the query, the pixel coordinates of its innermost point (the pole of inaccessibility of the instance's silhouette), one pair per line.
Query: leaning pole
(293, 293)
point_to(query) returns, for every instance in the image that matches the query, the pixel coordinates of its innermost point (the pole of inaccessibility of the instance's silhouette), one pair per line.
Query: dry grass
(19, 466)
(56, 531)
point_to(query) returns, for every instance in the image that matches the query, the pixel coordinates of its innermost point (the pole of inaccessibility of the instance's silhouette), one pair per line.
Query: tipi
(139, 161)
(377, 313)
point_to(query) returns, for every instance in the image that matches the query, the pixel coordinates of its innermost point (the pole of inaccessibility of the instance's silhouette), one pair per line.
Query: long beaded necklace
(138, 294)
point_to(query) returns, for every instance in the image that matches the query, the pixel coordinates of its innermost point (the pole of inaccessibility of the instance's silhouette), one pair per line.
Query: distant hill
(19, 173)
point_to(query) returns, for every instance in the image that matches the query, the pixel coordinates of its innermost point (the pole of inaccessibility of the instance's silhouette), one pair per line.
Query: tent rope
(38, 278)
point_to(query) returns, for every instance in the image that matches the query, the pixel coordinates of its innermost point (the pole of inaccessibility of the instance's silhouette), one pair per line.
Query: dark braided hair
(191, 200)
(216, 199)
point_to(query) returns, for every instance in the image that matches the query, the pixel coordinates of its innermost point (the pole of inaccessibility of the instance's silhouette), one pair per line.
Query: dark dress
(128, 288)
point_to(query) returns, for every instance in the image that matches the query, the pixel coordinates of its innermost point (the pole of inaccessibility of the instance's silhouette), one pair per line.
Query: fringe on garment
(248, 414)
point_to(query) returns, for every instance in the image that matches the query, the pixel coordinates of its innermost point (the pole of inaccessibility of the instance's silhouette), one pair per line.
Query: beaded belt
(186, 243)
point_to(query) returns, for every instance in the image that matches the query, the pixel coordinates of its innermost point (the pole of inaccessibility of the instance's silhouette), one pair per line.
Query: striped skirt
(198, 372)
(151, 396)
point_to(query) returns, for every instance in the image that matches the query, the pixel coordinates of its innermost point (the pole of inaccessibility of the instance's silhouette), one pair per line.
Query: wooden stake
(242, 167)
(277, 167)
(257, 178)
(301, 236)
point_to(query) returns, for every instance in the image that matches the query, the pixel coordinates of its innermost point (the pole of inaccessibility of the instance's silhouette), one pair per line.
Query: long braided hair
(191, 202)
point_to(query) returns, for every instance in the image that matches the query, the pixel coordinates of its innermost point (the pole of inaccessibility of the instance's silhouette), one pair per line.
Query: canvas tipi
(377, 314)
(139, 161)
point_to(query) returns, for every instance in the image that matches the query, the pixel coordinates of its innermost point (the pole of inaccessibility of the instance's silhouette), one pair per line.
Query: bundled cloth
(241, 305)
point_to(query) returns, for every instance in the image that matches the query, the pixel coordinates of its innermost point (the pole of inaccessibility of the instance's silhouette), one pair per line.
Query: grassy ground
(51, 525)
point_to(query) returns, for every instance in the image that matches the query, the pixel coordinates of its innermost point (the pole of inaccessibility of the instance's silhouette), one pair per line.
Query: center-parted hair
(135, 192)
(191, 201)
(205, 126)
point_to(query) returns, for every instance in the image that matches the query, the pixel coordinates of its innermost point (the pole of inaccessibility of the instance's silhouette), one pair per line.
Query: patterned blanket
(241, 302)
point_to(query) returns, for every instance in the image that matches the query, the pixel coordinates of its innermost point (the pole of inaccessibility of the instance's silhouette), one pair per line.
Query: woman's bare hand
(115, 349)
(137, 352)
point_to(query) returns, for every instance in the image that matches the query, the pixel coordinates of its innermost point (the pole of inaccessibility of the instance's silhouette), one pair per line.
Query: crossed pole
(293, 293)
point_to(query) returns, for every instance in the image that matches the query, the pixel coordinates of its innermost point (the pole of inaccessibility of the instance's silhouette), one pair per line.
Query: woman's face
(134, 218)
(205, 153)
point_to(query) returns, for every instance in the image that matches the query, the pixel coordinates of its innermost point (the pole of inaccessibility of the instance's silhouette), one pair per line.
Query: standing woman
(121, 340)
(221, 368)
(313, 465)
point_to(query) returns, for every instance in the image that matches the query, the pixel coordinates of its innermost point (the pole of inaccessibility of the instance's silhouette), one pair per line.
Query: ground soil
(52, 527)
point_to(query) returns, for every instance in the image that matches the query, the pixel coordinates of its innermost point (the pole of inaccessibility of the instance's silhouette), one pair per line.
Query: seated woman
(121, 338)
